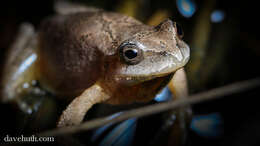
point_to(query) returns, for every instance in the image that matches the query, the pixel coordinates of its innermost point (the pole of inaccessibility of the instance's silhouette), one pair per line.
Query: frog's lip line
(165, 73)
(152, 76)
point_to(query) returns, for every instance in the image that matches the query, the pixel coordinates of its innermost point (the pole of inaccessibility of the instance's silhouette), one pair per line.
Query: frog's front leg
(77, 109)
(178, 84)
(179, 88)
(18, 70)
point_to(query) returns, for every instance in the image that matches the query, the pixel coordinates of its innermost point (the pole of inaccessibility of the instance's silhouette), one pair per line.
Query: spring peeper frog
(93, 56)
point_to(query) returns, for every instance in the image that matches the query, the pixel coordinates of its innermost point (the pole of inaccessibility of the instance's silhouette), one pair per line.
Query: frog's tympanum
(95, 56)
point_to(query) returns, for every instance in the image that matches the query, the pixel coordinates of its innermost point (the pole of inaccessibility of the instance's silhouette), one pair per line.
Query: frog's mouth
(161, 78)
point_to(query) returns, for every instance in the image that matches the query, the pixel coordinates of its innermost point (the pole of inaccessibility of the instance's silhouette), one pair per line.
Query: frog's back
(72, 48)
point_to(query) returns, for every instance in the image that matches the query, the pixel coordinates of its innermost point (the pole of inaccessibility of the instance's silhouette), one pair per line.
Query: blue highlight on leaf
(186, 7)
(121, 134)
(217, 16)
(165, 95)
(209, 126)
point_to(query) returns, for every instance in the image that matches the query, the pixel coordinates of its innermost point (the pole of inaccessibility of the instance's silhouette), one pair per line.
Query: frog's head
(153, 53)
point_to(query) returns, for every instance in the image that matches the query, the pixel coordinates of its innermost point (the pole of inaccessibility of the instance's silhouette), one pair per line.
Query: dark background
(230, 53)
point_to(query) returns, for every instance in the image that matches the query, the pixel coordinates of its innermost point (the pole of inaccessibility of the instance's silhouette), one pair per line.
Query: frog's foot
(77, 109)
(64, 7)
(18, 70)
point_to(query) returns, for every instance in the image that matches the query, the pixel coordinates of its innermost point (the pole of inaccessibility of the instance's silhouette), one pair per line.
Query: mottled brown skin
(85, 39)
(82, 56)
(78, 51)
(90, 42)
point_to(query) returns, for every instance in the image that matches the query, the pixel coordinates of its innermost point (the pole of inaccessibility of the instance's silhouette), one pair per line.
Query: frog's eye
(130, 54)
(179, 30)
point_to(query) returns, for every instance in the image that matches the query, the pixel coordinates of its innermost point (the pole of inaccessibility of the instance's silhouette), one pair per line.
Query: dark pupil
(130, 54)
(179, 29)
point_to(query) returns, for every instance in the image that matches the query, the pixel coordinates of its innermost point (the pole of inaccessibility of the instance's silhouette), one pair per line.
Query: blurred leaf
(128, 7)
(158, 17)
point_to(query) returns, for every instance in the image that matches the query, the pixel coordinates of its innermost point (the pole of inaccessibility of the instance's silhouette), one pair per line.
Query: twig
(157, 108)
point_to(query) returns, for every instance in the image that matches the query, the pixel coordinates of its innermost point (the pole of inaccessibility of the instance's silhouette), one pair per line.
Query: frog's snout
(175, 60)
(178, 51)
(183, 55)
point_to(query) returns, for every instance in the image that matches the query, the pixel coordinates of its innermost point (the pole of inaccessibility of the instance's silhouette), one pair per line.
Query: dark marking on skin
(164, 53)
(163, 45)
